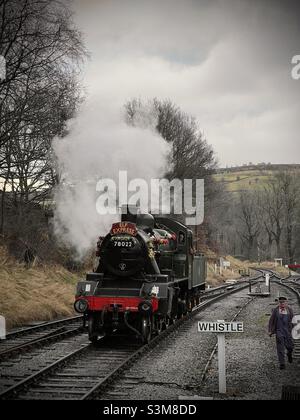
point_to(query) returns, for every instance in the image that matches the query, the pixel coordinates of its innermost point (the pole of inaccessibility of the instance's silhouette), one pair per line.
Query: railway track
(293, 282)
(264, 271)
(23, 332)
(38, 336)
(85, 372)
(75, 375)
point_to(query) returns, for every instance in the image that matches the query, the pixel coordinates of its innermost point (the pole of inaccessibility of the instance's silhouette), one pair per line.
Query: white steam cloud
(99, 145)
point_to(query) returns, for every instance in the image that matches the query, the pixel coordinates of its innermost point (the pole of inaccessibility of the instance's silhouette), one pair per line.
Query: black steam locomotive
(148, 276)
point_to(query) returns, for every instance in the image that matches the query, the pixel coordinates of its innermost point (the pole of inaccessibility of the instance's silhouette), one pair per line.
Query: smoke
(99, 145)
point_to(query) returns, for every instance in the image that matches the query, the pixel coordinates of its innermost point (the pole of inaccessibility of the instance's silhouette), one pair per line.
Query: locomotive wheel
(173, 320)
(161, 326)
(179, 309)
(92, 327)
(185, 309)
(182, 309)
(146, 330)
(169, 321)
(108, 331)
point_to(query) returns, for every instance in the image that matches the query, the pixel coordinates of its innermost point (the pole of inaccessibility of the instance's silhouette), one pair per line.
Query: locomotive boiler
(148, 276)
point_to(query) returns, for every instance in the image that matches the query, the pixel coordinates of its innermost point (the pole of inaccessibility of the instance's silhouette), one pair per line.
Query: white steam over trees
(99, 146)
(190, 157)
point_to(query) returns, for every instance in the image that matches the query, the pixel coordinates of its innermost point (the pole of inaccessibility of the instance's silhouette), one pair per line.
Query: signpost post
(2, 328)
(222, 362)
(221, 328)
(268, 284)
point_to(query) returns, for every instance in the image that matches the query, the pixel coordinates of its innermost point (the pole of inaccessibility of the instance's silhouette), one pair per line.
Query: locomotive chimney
(129, 213)
(132, 214)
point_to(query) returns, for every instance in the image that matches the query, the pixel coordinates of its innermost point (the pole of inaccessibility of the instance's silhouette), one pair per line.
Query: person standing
(281, 325)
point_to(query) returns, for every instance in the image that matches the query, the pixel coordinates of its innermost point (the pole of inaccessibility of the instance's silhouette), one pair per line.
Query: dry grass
(284, 272)
(233, 272)
(39, 293)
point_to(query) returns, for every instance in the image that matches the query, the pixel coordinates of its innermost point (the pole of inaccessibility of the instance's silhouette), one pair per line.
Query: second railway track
(38, 336)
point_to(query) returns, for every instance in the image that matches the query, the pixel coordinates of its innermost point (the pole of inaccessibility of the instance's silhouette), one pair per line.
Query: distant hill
(243, 178)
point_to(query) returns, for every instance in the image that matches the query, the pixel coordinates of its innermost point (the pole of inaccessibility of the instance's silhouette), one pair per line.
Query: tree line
(262, 223)
(43, 51)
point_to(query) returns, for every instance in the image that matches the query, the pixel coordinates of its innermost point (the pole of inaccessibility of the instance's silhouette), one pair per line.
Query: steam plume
(99, 145)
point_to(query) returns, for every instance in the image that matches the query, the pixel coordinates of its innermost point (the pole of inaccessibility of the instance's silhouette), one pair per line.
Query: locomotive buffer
(221, 327)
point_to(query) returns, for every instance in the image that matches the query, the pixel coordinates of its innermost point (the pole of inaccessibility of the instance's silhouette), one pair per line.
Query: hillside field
(245, 178)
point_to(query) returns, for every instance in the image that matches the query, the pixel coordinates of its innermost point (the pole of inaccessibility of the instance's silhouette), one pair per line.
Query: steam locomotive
(148, 276)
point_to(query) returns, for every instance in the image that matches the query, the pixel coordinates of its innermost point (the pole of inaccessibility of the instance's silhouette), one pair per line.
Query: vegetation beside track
(34, 294)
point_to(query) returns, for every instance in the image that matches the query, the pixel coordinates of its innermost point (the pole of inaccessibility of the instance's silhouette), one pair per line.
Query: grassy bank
(232, 273)
(38, 293)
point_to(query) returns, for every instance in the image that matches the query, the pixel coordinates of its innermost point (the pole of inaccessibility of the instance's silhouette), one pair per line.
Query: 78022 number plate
(123, 242)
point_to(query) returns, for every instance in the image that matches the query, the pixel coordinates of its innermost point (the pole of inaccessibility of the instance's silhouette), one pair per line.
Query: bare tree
(41, 92)
(261, 223)
(250, 222)
(39, 42)
(273, 211)
(290, 191)
(191, 156)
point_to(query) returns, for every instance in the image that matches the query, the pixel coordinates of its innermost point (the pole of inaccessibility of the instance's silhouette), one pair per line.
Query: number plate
(122, 242)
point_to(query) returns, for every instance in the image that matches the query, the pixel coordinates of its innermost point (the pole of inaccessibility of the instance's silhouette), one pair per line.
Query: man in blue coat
(281, 324)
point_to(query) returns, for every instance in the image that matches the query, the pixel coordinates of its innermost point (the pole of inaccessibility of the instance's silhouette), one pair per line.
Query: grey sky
(227, 62)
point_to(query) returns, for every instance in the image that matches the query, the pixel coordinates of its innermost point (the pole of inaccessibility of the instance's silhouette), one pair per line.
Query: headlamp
(81, 306)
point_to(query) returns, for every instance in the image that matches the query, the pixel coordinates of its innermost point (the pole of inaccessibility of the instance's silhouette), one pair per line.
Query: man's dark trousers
(283, 342)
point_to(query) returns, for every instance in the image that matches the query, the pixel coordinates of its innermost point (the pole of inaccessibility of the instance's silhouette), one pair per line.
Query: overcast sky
(227, 62)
